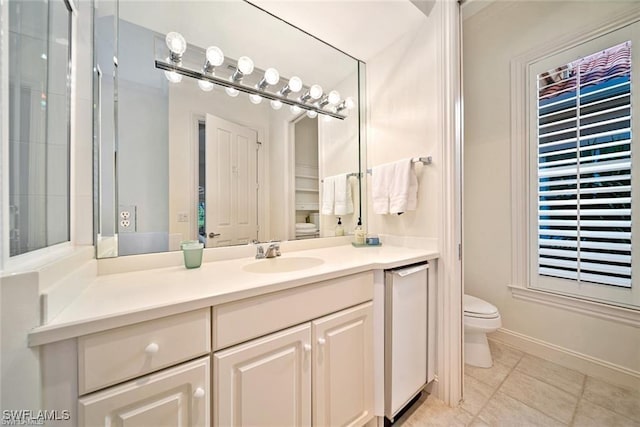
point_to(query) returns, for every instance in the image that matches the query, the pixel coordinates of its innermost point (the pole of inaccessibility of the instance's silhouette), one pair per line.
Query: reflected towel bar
(424, 160)
(349, 175)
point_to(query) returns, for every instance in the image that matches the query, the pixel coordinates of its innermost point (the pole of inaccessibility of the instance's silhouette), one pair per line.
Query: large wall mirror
(188, 148)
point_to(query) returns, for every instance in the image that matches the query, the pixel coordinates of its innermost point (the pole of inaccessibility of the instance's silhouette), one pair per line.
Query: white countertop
(121, 299)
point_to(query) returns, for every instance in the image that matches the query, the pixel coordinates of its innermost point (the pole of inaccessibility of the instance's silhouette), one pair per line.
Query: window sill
(622, 315)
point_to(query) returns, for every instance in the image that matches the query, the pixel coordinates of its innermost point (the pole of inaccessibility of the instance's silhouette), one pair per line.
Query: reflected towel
(343, 199)
(328, 195)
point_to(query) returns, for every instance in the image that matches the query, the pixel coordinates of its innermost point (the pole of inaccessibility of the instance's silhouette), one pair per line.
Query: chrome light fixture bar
(237, 85)
(182, 61)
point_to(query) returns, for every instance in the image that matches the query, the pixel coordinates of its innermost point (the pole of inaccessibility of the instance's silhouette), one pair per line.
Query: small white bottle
(360, 234)
(339, 228)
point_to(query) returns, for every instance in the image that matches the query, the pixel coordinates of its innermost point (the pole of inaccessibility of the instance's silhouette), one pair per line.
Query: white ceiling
(361, 28)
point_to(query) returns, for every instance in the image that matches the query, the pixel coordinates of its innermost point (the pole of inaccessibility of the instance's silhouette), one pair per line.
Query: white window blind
(584, 169)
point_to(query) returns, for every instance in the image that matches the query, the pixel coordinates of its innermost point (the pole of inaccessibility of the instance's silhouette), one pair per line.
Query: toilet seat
(480, 309)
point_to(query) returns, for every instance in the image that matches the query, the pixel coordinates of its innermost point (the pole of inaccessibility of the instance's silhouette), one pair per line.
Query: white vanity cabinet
(301, 356)
(177, 396)
(265, 382)
(318, 372)
(343, 367)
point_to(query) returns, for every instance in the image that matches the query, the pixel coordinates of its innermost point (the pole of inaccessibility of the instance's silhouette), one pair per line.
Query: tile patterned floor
(523, 390)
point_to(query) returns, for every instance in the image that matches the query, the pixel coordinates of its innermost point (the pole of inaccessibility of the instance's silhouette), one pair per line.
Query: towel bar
(349, 175)
(424, 160)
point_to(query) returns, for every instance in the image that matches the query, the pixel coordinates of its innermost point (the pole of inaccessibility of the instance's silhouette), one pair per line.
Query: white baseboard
(588, 365)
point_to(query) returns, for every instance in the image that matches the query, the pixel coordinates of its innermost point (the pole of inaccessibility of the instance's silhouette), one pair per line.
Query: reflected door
(231, 191)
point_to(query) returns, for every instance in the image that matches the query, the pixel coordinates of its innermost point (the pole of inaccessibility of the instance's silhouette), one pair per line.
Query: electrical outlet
(127, 220)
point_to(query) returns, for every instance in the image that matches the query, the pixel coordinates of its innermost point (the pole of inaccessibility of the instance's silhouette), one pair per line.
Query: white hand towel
(343, 198)
(328, 195)
(381, 178)
(403, 193)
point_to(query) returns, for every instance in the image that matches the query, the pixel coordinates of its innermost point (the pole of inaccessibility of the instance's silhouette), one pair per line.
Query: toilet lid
(476, 306)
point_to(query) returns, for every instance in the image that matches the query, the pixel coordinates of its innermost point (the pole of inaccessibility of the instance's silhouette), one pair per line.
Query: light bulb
(255, 99)
(326, 118)
(349, 103)
(215, 56)
(315, 91)
(176, 43)
(245, 65)
(295, 84)
(205, 85)
(276, 105)
(232, 92)
(272, 76)
(312, 114)
(173, 77)
(295, 109)
(334, 97)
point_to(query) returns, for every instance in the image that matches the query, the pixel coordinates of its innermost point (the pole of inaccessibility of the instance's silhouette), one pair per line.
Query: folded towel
(343, 199)
(328, 195)
(381, 179)
(403, 191)
(305, 226)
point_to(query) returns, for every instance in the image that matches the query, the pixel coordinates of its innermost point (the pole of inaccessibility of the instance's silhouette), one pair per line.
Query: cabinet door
(176, 397)
(265, 382)
(343, 367)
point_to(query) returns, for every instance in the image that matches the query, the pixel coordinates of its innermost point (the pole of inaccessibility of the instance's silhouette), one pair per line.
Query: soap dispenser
(339, 228)
(359, 233)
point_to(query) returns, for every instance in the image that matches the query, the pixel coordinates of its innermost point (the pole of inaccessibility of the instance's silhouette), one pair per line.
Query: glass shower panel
(38, 124)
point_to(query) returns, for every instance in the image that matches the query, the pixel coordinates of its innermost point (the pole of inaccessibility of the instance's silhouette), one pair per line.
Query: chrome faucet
(273, 250)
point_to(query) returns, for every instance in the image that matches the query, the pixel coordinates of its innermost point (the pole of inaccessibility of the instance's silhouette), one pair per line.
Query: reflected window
(39, 111)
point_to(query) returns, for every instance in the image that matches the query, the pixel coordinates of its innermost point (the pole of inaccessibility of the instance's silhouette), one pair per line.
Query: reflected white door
(231, 183)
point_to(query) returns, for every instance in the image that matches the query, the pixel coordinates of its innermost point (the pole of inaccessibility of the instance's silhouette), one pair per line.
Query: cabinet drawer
(243, 320)
(178, 396)
(116, 355)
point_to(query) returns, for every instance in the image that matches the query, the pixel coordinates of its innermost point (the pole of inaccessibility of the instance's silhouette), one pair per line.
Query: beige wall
(403, 97)
(491, 39)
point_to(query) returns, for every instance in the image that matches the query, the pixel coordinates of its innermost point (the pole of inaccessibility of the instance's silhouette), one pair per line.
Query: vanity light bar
(198, 75)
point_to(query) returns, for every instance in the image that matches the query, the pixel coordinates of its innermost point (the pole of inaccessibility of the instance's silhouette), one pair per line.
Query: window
(39, 112)
(583, 194)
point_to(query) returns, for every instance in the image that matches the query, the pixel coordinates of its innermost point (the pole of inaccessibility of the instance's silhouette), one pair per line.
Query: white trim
(600, 310)
(588, 365)
(520, 165)
(4, 133)
(449, 266)
(72, 128)
(32, 260)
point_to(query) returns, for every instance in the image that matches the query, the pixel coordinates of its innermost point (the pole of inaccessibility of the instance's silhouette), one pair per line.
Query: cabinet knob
(321, 341)
(307, 347)
(152, 348)
(198, 393)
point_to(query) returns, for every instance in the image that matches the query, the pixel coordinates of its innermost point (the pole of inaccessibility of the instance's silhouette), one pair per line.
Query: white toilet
(480, 317)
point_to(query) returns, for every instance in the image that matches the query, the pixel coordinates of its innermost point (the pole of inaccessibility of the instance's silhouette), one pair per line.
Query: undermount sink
(282, 265)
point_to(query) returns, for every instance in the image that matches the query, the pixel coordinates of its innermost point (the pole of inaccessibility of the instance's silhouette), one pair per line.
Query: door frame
(290, 182)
